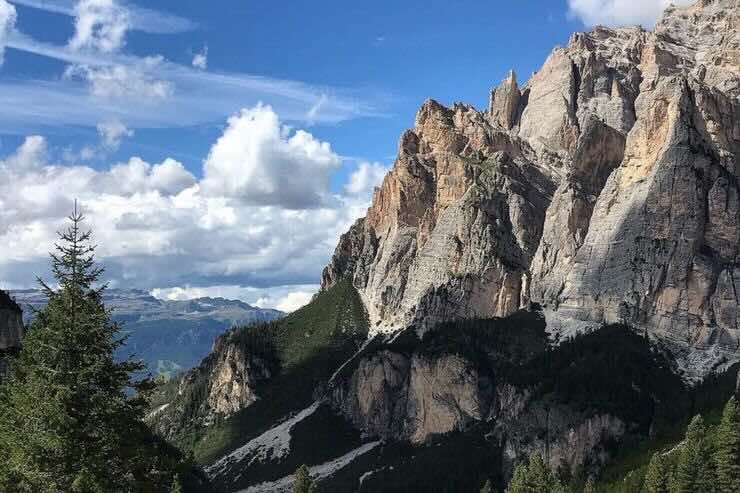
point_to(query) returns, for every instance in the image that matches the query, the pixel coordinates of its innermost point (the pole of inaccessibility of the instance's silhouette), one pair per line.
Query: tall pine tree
(534, 477)
(727, 454)
(656, 477)
(693, 472)
(72, 416)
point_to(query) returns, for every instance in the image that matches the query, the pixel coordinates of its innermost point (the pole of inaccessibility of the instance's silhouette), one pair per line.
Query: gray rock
(606, 189)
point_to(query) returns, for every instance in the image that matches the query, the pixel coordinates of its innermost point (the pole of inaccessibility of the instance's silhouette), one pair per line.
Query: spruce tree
(656, 477)
(534, 477)
(727, 453)
(693, 472)
(303, 482)
(72, 416)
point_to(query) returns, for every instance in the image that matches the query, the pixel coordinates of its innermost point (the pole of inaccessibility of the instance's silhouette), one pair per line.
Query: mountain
(604, 189)
(11, 329)
(556, 274)
(168, 335)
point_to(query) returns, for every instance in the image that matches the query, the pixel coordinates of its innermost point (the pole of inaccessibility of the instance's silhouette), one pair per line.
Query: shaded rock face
(11, 323)
(605, 188)
(391, 395)
(414, 398)
(11, 329)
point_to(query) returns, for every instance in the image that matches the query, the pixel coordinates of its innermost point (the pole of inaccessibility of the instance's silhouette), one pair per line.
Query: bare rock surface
(605, 188)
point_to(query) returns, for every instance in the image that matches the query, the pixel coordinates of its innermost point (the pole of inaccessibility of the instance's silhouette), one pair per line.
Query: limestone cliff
(223, 384)
(605, 188)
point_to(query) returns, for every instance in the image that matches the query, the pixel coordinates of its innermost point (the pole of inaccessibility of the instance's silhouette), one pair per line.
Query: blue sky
(390, 54)
(256, 118)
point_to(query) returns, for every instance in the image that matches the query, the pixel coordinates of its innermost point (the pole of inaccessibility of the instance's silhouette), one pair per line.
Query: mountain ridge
(605, 189)
(556, 274)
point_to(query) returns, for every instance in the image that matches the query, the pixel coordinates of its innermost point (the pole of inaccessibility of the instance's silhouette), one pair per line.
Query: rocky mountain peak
(605, 189)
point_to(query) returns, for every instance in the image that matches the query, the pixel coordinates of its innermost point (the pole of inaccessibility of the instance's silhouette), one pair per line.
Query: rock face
(606, 188)
(391, 395)
(11, 330)
(223, 384)
(11, 323)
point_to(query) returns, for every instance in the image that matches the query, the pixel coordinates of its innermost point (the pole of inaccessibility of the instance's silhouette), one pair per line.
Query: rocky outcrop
(224, 383)
(415, 398)
(412, 398)
(11, 329)
(606, 188)
(233, 378)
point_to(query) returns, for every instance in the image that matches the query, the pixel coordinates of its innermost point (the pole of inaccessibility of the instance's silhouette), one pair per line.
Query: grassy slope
(308, 346)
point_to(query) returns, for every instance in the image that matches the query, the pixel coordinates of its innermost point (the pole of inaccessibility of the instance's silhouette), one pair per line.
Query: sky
(220, 149)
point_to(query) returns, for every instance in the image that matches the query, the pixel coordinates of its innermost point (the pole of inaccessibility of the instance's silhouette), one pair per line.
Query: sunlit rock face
(605, 188)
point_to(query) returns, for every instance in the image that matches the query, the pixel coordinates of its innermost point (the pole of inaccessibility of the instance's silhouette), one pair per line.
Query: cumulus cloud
(100, 25)
(293, 301)
(621, 12)
(8, 18)
(200, 60)
(133, 82)
(261, 162)
(159, 226)
(111, 132)
(31, 154)
(365, 178)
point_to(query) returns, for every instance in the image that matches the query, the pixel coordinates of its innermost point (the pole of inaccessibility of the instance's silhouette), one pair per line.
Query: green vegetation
(534, 477)
(72, 416)
(303, 483)
(303, 349)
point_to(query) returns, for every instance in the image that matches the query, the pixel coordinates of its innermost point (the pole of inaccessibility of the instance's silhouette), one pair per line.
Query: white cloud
(135, 82)
(175, 95)
(365, 178)
(285, 298)
(142, 19)
(293, 301)
(138, 176)
(200, 60)
(621, 12)
(111, 132)
(8, 18)
(156, 227)
(31, 154)
(100, 25)
(259, 161)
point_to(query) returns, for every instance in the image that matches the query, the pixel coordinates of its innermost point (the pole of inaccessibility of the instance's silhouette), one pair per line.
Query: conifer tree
(727, 453)
(693, 472)
(656, 477)
(534, 477)
(72, 416)
(303, 482)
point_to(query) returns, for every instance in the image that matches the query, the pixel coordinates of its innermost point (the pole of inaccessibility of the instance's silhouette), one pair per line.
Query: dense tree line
(71, 415)
(703, 462)
(706, 461)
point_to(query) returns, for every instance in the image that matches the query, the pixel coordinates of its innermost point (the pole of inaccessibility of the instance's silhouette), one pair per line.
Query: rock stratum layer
(606, 189)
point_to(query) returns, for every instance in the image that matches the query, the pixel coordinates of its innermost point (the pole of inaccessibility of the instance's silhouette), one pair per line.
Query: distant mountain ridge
(169, 335)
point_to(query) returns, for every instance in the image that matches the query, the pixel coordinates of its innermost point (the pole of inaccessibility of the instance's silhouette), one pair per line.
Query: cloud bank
(261, 220)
